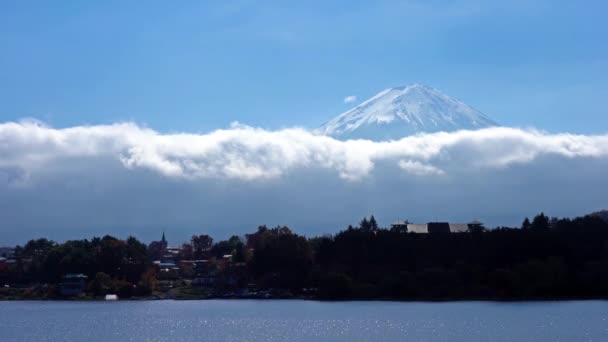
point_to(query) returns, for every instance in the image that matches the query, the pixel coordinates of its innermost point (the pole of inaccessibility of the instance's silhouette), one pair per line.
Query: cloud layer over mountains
(247, 153)
(131, 176)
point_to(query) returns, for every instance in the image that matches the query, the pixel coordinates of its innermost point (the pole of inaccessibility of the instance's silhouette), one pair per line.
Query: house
(171, 254)
(399, 226)
(7, 252)
(111, 297)
(417, 228)
(7, 258)
(475, 225)
(167, 270)
(459, 227)
(436, 227)
(168, 258)
(72, 284)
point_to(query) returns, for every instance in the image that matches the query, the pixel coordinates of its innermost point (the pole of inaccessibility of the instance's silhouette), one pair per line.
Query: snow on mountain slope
(397, 112)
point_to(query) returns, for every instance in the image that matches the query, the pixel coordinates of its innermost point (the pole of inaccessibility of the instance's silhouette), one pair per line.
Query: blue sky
(197, 66)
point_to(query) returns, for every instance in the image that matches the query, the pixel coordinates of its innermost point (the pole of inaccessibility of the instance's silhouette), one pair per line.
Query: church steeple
(163, 240)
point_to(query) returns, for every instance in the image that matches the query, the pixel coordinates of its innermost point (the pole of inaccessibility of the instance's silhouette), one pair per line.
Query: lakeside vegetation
(545, 258)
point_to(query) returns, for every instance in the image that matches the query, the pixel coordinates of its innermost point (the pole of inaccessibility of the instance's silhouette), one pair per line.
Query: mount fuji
(398, 112)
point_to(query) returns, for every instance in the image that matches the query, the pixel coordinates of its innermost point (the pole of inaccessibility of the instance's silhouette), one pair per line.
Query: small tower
(163, 240)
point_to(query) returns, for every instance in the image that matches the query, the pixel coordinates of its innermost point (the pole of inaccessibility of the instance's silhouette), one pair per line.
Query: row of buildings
(7, 258)
(207, 272)
(436, 227)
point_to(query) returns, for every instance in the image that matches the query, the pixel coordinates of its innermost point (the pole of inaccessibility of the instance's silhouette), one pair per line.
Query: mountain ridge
(397, 112)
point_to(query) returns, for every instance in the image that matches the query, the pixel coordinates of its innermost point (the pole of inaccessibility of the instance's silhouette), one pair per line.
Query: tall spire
(163, 240)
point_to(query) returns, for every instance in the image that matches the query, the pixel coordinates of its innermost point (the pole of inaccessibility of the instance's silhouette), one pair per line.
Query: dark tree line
(544, 258)
(121, 264)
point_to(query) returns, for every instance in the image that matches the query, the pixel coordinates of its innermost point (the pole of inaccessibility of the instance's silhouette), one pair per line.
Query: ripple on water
(236, 320)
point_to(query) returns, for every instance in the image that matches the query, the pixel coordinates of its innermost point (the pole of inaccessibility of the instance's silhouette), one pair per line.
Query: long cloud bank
(247, 153)
(128, 179)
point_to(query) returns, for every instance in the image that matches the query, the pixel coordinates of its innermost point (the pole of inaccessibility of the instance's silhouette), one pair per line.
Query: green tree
(101, 284)
(373, 225)
(525, 224)
(540, 222)
(156, 249)
(282, 259)
(201, 244)
(364, 224)
(135, 262)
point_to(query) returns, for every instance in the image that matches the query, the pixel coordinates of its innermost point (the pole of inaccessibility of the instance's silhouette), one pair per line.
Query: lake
(295, 320)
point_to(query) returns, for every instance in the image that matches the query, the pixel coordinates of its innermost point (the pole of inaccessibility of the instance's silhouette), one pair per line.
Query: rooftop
(75, 275)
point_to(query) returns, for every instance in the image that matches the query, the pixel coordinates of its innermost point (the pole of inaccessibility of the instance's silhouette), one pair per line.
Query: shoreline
(311, 299)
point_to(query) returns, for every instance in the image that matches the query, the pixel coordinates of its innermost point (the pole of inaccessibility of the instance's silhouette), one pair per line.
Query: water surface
(250, 320)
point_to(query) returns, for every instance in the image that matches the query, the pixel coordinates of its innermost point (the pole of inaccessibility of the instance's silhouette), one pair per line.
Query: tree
(239, 254)
(282, 259)
(112, 256)
(147, 284)
(230, 246)
(101, 285)
(373, 225)
(234, 240)
(186, 252)
(156, 250)
(364, 224)
(253, 239)
(221, 248)
(335, 286)
(525, 224)
(201, 244)
(136, 257)
(540, 222)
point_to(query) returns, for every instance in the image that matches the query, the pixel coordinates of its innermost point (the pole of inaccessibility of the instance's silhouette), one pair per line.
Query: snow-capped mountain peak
(397, 112)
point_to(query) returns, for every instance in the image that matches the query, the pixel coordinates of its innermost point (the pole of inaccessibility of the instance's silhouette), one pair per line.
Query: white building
(435, 227)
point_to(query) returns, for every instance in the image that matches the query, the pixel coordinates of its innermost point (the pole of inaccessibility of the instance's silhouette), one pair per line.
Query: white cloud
(124, 176)
(247, 153)
(418, 168)
(350, 99)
